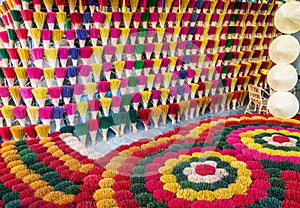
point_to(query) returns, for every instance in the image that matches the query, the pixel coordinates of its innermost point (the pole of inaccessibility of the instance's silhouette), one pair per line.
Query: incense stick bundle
(40, 95)
(46, 114)
(17, 132)
(7, 114)
(54, 93)
(94, 106)
(57, 115)
(90, 89)
(144, 115)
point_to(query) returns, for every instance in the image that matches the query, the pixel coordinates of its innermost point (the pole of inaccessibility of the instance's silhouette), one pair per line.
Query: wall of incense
(88, 66)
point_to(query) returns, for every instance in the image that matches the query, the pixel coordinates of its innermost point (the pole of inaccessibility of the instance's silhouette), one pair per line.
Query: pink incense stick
(136, 99)
(136, 18)
(133, 35)
(165, 48)
(20, 114)
(153, 19)
(201, 18)
(45, 114)
(35, 74)
(158, 80)
(109, 51)
(70, 35)
(50, 19)
(171, 18)
(84, 72)
(116, 103)
(94, 35)
(187, 91)
(10, 75)
(98, 18)
(190, 73)
(60, 74)
(46, 37)
(22, 34)
(129, 50)
(186, 18)
(4, 94)
(150, 34)
(4, 38)
(148, 64)
(70, 111)
(103, 87)
(172, 94)
(37, 55)
(123, 85)
(149, 48)
(63, 54)
(117, 18)
(93, 129)
(155, 96)
(142, 81)
(114, 35)
(26, 95)
(54, 93)
(107, 69)
(78, 91)
(164, 64)
(94, 107)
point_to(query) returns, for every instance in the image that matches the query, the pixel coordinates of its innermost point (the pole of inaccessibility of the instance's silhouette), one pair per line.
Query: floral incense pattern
(236, 161)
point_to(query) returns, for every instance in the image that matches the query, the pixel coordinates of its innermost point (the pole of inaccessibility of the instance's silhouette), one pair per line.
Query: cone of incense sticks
(78, 91)
(132, 82)
(46, 114)
(229, 99)
(223, 101)
(123, 85)
(22, 34)
(136, 99)
(93, 129)
(114, 86)
(76, 19)
(82, 36)
(164, 95)
(164, 109)
(175, 78)
(92, 5)
(149, 48)
(124, 35)
(61, 19)
(33, 115)
(60, 74)
(158, 80)
(17, 132)
(194, 89)
(105, 104)
(187, 91)
(156, 112)
(35, 74)
(70, 36)
(9, 74)
(107, 21)
(129, 49)
(205, 104)
(146, 95)
(82, 108)
(57, 36)
(124, 121)
(150, 81)
(5, 133)
(94, 108)
(51, 56)
(50, 19)
(86, 18)
(98, 18)
(144, 115)
(199, 105)
(184, 107)
(211, 71)
(133, 4)
(27, 15)
(70, 109)
(4, 57)
(72, 72)
(107, 69)
(26, 95)
(54, 93)
(39, 19)
(94, 35)
(155, 96)
(58, 112)
(97, 53)
(15, 94)
(208, 86)
(105, 123)
(84, 72)
(173, 62)
(126, 101)
(30, 131)
(129, 64)
(198, 72)
(138, 66)
(49, 76)
(133, 115)
(72, 5)
(215, 86)
(104, 34)
(46, 36)
(190, 73)
(156, 65)
(96, 71)
(119, 51)
(119, 68)
(142, 81)
(7, 114)
(109, 51)
(40, 95)
(37, 55)
(63, 54)
(90, 89)
(103, 87)
(4, 94)
(116, 103)
(82, 131)
(67, 93)
(215, 103)
(148, 64)
(114, 35)
(173, 110)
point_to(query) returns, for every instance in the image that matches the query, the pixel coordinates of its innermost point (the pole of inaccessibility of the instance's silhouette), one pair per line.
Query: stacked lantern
(105, 65)
(283, 51)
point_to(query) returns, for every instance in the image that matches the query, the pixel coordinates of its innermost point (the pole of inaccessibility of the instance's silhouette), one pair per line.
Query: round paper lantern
(284, 49)
(283, 105)
(282, 77)
(287, 19)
